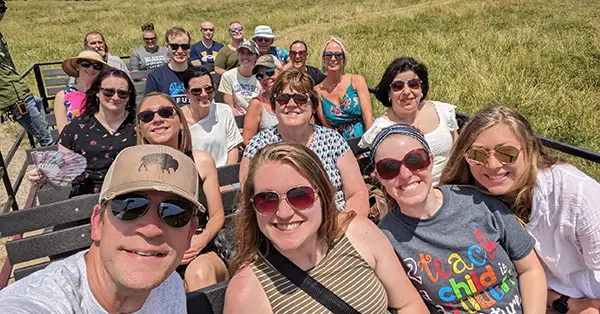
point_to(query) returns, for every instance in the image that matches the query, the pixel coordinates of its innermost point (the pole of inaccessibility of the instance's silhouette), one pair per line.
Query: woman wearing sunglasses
(260, 115)
(69, 102)
(462, 249)
(294, 102)
(403, 89)
(239, 85)
(345, 100)
(161, 122)
(151, 55)
(500, 153)
(227, 57)
(288, 206)
(212, 125)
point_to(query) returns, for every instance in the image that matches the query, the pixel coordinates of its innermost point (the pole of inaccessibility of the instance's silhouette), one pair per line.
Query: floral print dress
(347, 117)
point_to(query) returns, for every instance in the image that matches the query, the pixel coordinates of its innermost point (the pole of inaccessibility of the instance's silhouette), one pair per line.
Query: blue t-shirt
(165, 80)
(206, 55)
(280, 53)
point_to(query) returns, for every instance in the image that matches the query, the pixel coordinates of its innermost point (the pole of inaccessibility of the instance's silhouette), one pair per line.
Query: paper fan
(59, 168)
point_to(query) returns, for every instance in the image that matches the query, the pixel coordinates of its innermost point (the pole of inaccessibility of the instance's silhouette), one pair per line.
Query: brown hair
(536, 157)
(176, 30)
(247, 233)
(85, 42)
(185, 137)
(148, 27)
(298, 81)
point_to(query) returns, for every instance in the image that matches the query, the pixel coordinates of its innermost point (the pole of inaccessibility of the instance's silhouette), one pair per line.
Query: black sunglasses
(176, 46)
(197, 91)
(175, 212)
(148, 115)
(208, 29)
(149, 38)
(329, 54)
(87, 64)
(109, 92)
(263, 75)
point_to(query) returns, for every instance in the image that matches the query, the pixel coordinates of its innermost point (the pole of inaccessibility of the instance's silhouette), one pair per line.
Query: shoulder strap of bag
(308, 284)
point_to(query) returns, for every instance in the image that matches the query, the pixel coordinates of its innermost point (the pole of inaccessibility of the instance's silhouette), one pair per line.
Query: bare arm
(219, 70)
(376, 249)
(576, 306)
(252, 120)
(228, 99)
(365, 100)
(60, 111)
(244, 164)
(532, 283)
(233, 155)
(353, 185)
(246, 295)
(320, 113)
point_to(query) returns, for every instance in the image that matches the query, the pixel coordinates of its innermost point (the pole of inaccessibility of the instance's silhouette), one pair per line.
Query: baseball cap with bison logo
(152, 168)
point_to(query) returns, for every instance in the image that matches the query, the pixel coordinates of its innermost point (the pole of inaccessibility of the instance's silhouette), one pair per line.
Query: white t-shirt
(217, 133)
(63, 287)
(439, 140)
(243, 89)
(565, 220)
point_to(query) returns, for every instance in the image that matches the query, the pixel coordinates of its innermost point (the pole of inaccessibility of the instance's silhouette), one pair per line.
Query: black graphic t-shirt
(165, 80)
(99, 147)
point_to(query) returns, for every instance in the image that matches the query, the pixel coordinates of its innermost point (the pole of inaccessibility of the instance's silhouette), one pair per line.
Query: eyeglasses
(236, 29)
(505, 154)
(261, 39)
(208, 29)
(416, 160)
(175, 213)
(197, 91)
(109, 92)
(329, 54)
(300, 53)
(263, 75)
(149, 38)
(87, 64)
(284, 99)
(164, 112)
(176, 46)
(299, 198)
(398, 85)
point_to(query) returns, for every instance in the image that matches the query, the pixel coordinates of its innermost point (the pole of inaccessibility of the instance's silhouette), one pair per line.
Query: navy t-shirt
(204, 54)
(165, 80)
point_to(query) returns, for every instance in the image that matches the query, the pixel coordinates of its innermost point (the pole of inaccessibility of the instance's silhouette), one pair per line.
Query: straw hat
(70, 65)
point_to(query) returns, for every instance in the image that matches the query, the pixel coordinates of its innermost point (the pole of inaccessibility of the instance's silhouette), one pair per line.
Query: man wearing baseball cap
(16, 100)
(140, 230)
(264, 38)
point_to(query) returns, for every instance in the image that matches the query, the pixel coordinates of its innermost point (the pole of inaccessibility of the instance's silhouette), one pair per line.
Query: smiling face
(407, 100)
(236, 31)
(267, 82)
(87, 74)
(333, 63)
(149, 40)
(179, 55)
(140, 254)
(497, 178)
(208, 30)
(298, 55)
(293, 114)
(160, 131)
(288, 229)
(113, 103)
(200, 92)
(95, 41)
(264, 44)
(246, 58)
(407, 188)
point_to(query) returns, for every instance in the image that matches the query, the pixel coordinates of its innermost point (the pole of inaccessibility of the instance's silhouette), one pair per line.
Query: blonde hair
(247, 233)
(535, 155)
(185, 137)
(342, 44)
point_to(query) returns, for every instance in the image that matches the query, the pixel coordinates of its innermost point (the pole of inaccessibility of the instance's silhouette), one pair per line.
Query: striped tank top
(342, 270)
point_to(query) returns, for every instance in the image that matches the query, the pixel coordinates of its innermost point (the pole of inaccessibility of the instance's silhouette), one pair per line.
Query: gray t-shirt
(62, 287)
(460, 259)
(141, 59)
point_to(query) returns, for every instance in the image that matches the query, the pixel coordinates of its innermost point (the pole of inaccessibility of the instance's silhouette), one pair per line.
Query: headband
(401, 129)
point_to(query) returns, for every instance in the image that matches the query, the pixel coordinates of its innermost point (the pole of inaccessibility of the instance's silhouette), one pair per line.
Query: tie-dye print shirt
(90, 139)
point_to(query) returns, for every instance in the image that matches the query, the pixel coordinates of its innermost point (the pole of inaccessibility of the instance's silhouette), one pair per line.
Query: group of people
(482, 220)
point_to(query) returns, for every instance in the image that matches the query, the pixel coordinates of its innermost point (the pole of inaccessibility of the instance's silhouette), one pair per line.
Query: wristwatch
(560, 305)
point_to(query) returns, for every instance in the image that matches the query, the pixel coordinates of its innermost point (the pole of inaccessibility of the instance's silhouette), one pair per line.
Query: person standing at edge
(16, 100)
(206, 50)
(168, 78)
(141, 228)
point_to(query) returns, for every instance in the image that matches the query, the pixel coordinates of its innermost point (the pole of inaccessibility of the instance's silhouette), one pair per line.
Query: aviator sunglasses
(299, 198)
(284, 99)
(505, 154)
(263, 75)
(175, 47)
(164, 112)
(413, 83)
(236, 29)
(87, 64)
(109, 92)
(415, 160)
(175, 212)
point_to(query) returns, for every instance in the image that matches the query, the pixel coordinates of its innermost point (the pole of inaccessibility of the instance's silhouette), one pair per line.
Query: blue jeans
(35, 121)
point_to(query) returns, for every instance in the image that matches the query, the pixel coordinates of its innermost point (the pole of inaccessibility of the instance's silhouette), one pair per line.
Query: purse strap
(308, 284)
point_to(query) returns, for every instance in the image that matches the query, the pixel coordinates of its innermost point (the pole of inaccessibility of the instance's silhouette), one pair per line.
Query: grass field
(540, 56)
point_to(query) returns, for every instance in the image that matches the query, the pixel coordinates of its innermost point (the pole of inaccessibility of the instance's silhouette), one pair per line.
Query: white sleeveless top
(439, 140)
(267, 119)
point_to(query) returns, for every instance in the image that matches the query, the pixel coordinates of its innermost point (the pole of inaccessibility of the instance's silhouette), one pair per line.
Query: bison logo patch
(165, 161)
